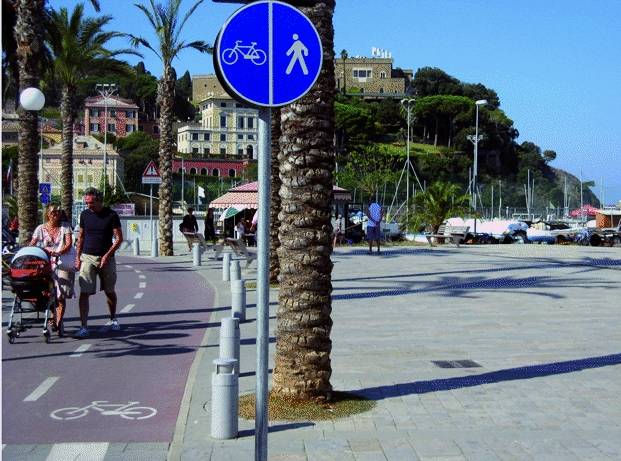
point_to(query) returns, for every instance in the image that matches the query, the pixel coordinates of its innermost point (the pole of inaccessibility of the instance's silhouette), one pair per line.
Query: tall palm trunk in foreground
(302, 364)
(275, 198)
(29, 39)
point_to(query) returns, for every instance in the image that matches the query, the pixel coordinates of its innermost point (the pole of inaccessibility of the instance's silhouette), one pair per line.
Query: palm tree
(275, 198)
(302, 364)
(29, 36)
(344, 57)
(439, 201)
(165, 22)
(29, 40)
(77, 46)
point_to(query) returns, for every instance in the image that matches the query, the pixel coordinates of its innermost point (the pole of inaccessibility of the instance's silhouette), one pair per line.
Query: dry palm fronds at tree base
(289, 409)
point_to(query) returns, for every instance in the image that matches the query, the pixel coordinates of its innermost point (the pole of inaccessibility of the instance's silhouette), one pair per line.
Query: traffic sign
(268, 54)
(151, 174)
(45, 198)
(45, 188)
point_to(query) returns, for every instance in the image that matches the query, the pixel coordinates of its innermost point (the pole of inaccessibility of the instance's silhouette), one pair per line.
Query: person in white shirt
(375, 215)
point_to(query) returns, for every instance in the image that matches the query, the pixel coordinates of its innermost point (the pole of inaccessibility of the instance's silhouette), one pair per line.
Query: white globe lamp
(32, 99)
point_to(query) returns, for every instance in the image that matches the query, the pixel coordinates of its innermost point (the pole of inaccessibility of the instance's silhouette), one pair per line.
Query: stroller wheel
(11, 338)
(48, 336)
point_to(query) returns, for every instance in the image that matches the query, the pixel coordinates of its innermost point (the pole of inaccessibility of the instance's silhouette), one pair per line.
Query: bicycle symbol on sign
(124, 410)
(256, 55)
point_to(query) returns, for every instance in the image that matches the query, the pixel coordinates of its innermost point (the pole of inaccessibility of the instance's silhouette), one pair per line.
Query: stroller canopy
(30, 251)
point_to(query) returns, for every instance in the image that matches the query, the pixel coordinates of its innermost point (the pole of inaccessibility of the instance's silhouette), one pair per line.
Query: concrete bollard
(196, 254)
(154, 248)
(229, 340)
(235, 270)
(226, 267)
(224, 399)
(136, 246)
(238, 299)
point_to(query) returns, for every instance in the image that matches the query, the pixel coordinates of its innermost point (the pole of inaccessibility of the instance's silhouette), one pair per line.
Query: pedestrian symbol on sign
(297, 49)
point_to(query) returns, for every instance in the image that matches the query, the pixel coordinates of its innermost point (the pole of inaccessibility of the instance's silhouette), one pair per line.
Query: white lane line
(142, 276)
(128, 266)
(42, 389)
(137, 271)
(90, 451)
(127, 308)
(138, 295)
(81, 350)
(142, 285)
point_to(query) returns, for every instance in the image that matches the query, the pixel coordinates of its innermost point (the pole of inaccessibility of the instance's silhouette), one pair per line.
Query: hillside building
(120, 115)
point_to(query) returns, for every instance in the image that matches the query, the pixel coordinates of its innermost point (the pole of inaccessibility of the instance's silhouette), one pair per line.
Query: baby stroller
(30, 274)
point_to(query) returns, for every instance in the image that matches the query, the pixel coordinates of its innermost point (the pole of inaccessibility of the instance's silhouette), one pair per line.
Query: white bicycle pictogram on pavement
(124, 410)
(256, 55)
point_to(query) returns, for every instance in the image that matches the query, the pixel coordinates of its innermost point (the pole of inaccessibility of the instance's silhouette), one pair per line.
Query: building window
(250, 123)
(112, 113)
(223, 121)
(94, 127)
(192, 170)
(249, 151)
(232, 173)
(250, 137)
(223, 150)
(240, 137)
(206, 136)
(129, 114)
(206, 150)
(215, 172)
(240, 151)
(94, 113)
(130, 128)
(360, 73)
(112, 127)
(204, 171)
(222, 104)
(240, 123)
(194, 136)
(223, 137)
(195, 150)
(381, 90)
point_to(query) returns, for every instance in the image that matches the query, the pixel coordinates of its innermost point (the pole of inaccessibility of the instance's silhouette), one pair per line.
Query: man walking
(375, 215)
(100, 236)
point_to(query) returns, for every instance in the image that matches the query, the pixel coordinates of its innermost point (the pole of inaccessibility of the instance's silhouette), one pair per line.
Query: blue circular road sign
(268, 53)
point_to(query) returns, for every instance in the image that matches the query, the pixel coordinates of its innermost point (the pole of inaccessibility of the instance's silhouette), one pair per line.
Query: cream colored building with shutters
(228, 129)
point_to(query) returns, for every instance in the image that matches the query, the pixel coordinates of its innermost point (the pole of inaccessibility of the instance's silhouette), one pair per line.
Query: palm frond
(186, 17)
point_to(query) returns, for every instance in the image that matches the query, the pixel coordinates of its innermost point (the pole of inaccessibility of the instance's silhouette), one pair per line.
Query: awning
(231, 211)
(247, 199)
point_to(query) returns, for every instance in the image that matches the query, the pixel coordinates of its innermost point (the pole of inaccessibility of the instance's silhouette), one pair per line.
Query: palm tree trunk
(302, 364)
(29, 39)
(166, 96)
(275, 198)
(66, 159)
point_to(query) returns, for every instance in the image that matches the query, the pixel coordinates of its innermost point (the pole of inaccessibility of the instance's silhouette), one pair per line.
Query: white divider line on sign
(81, 350)
(142, 276)
(142, 285)
(137, 271)
(139, 295)
(127, 308)
(90, 451)
(40, 390)
(128, 266)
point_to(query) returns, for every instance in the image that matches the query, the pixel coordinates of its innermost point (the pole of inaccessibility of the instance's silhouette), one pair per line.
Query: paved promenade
(534, 331)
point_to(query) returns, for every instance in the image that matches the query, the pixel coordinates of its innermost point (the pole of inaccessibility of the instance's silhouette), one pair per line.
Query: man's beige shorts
(89, 270)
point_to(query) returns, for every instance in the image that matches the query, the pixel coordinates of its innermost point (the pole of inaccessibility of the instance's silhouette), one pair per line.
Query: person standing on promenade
(189, 224)
(375, 215)
(99, 238)
(210, 228)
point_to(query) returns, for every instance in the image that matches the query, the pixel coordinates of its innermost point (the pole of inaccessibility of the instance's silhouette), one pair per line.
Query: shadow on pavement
(276, 428)
(509, 374)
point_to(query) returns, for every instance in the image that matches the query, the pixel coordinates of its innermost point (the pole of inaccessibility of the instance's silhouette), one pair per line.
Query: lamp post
(106, 90)
(475, 140)
(407, 104)
(34, 99)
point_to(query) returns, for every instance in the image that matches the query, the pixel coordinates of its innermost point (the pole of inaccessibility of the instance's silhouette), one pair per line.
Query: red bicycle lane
(146, 364)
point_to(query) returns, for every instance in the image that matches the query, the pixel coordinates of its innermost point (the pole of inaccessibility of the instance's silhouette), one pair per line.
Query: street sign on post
(151, 174)
(45, 191)
(268, 54)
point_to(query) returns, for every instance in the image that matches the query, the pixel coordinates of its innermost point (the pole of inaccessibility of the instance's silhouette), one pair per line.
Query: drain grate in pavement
(456, 363)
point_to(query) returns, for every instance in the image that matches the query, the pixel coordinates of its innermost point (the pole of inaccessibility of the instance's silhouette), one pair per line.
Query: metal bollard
(196, 254)
(235, 270)
(224, 400)
(154, 248)
(226, 267)
(229, 340)
(238, 299)
(136, 246)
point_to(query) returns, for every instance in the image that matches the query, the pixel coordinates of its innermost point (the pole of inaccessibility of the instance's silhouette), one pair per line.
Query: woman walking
(56, 239)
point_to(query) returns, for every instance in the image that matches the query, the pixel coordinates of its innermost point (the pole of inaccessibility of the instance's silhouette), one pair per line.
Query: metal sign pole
(151, 211)
(263, 287)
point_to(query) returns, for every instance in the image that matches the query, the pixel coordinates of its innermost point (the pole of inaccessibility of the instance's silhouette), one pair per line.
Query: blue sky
(556, 64)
